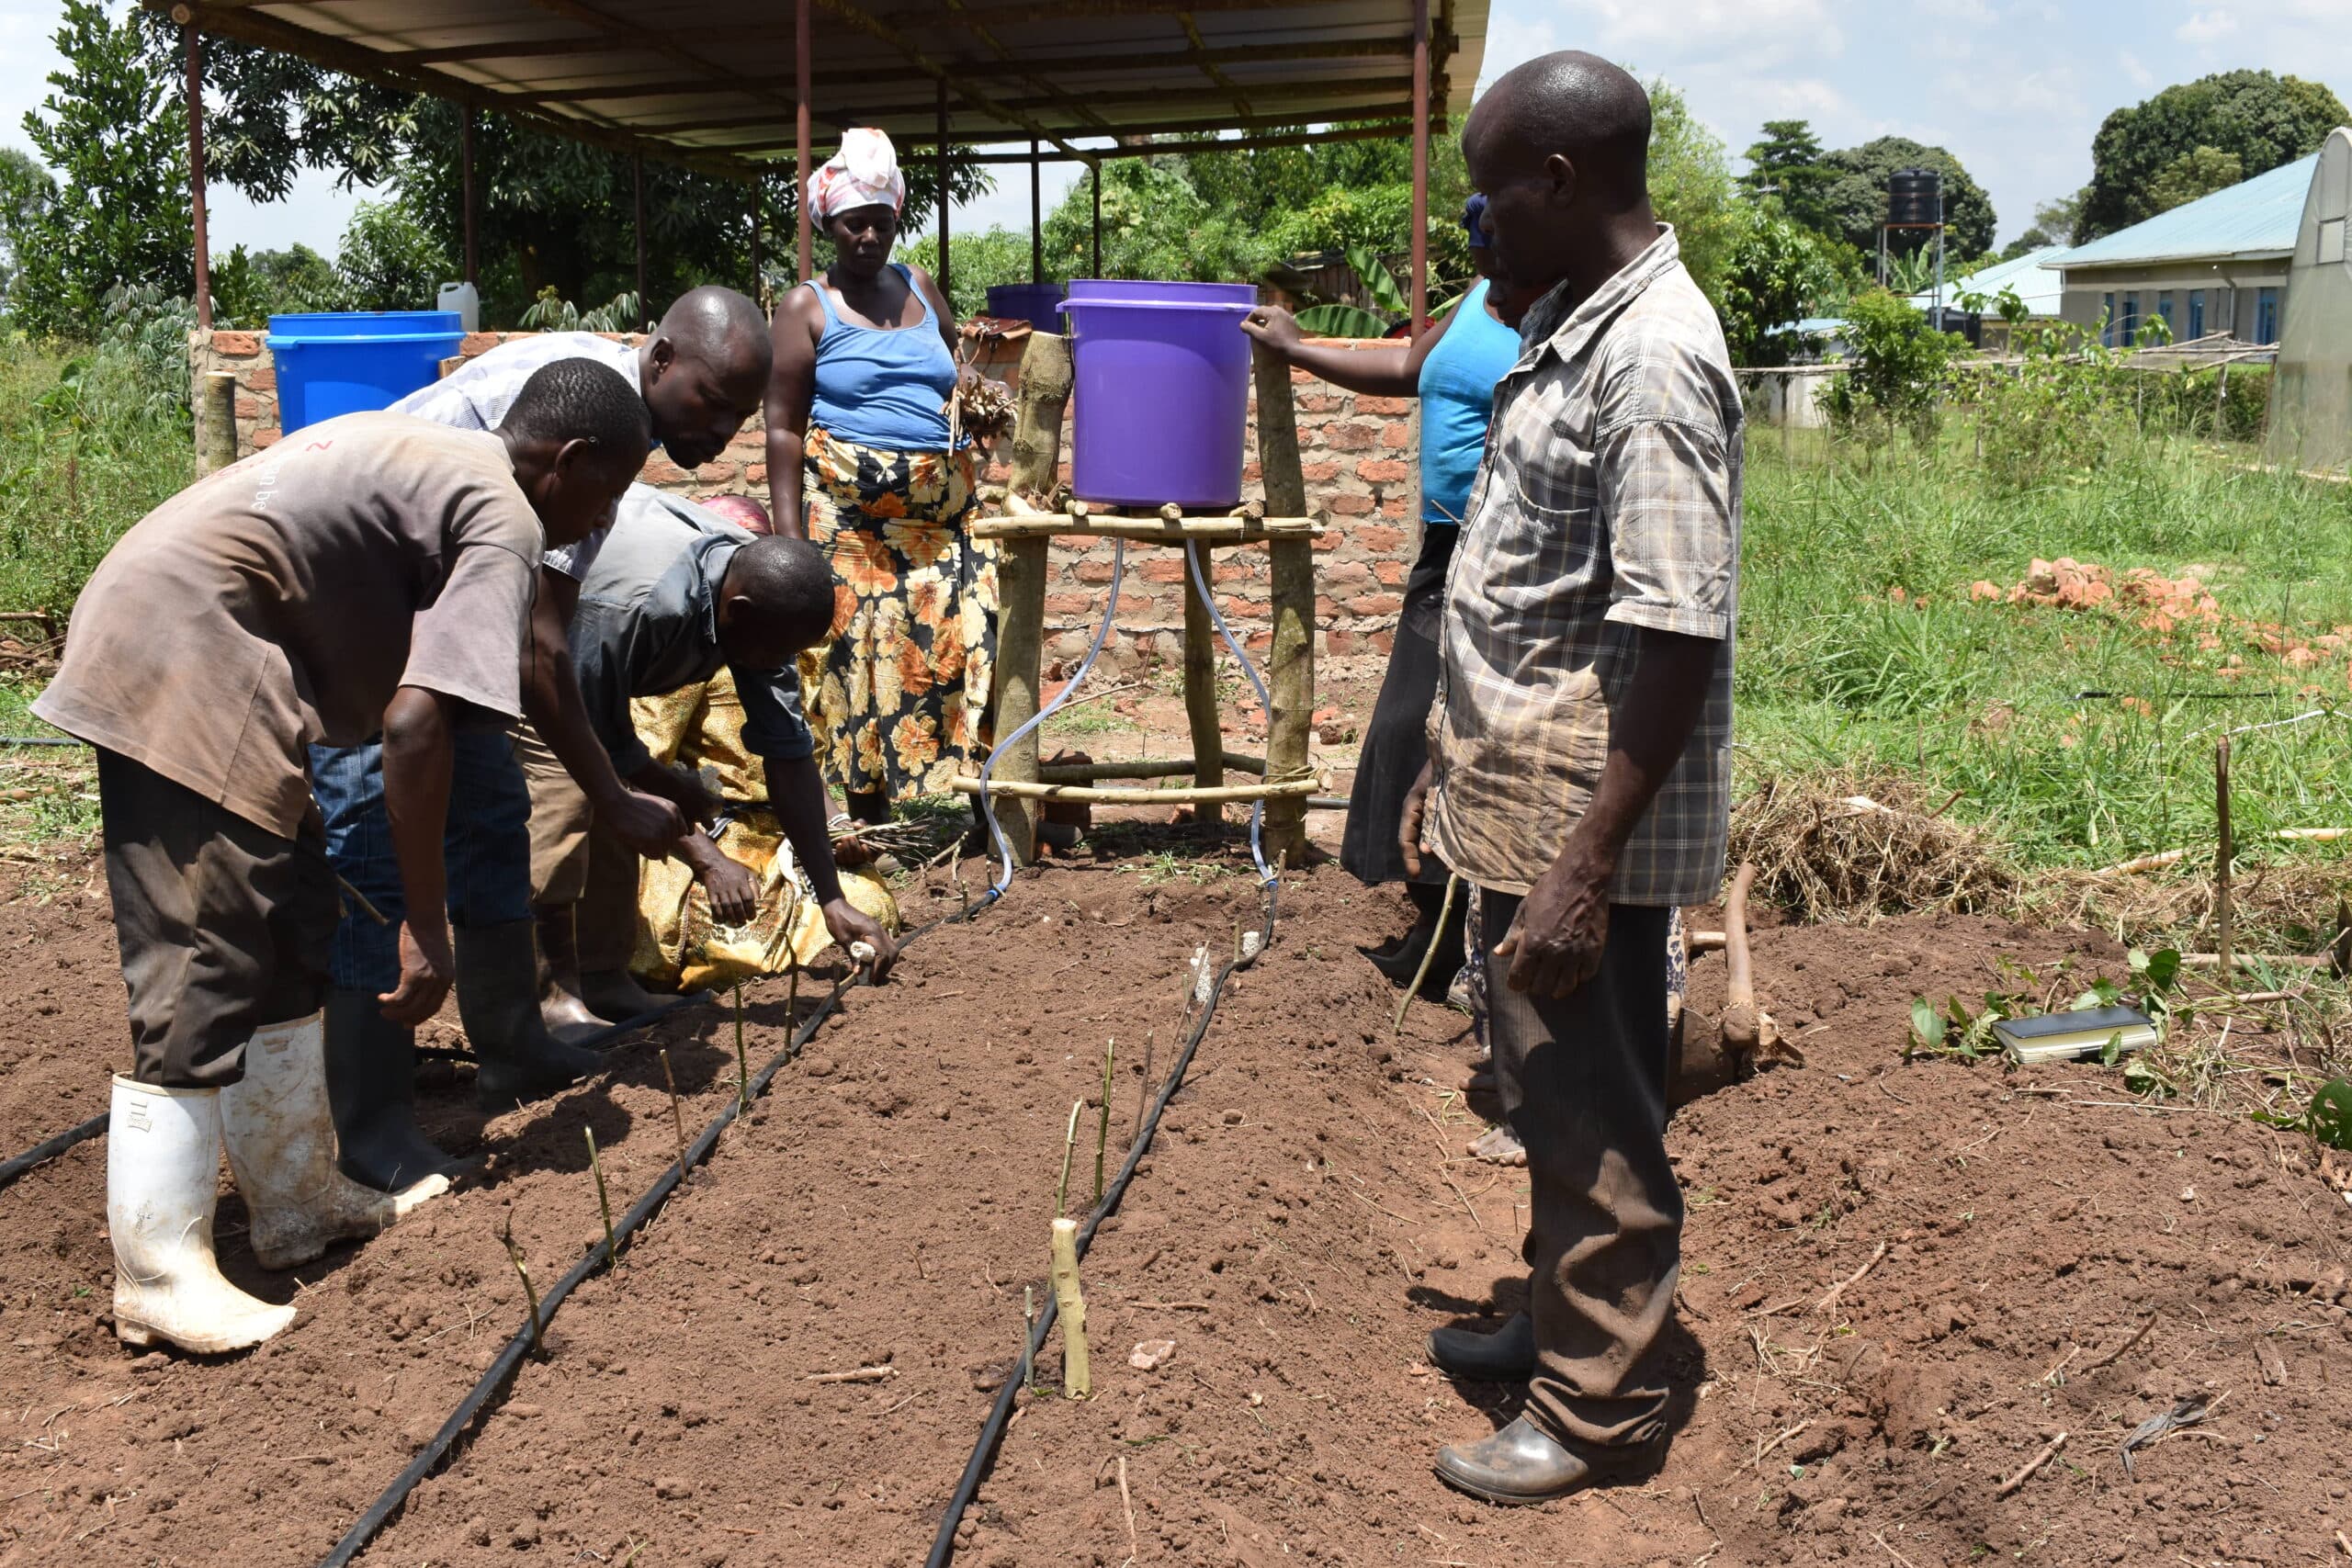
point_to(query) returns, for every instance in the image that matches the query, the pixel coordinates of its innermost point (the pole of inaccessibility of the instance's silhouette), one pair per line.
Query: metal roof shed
(723, 86)
(2254, 219)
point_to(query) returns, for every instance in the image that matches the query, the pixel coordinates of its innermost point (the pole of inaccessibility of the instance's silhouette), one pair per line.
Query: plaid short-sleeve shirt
(1608, 501)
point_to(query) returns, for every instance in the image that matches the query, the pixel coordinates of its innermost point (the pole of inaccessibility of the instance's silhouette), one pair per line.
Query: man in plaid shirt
(1580, 749)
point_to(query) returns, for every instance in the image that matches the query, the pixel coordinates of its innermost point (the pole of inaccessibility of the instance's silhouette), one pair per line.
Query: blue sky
(2014, 87)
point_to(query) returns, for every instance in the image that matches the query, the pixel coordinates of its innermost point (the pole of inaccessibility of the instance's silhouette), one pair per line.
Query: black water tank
(1915, 195)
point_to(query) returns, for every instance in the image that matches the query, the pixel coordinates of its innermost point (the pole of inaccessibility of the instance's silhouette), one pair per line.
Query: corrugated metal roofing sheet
(711, 82)
(2254, 217)
(2030, 277)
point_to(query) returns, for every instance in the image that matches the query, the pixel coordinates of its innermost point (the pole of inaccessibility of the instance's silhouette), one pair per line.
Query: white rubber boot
(280, 1132)
(162, 1179)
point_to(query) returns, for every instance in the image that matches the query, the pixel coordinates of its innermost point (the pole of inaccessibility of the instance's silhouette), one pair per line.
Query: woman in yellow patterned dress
(860, 461)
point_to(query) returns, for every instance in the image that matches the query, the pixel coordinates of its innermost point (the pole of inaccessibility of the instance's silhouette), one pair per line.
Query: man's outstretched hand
(851, 924)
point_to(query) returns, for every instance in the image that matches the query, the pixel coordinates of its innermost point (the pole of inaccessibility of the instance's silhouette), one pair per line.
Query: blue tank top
(1457, 394)
(883, 387)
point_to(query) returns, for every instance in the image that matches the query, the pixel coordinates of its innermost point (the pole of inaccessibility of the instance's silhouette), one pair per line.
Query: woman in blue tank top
(1453, 367)
(860, 463)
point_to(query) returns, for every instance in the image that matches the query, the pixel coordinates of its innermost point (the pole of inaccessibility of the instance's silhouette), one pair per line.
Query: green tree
(1776, 272)
(1858, 196)
(551, 212)
(388, 260)
(115, 129)
(1899, 367)
(25, 193)
(1691, 186)
(2260, 119)
(1786, 162)
(2193, 175)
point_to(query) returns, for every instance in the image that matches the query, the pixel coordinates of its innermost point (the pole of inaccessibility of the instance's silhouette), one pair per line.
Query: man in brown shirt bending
(374, 571)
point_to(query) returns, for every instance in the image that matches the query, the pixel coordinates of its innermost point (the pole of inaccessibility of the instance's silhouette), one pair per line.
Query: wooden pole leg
(1020, 651)
(1290, 676)
(1200, 685)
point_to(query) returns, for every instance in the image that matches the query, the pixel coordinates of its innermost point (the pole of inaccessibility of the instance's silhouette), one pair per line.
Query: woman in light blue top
(860, 462)
(1453, 367)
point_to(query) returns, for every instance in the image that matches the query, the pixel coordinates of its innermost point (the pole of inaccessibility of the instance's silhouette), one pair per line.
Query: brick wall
(1358, 454)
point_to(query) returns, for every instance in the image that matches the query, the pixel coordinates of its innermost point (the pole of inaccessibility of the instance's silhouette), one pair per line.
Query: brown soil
(1305, 1221)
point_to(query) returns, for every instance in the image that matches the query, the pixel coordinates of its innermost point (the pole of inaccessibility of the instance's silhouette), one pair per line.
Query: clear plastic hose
(1101, 633)
(1192, 554)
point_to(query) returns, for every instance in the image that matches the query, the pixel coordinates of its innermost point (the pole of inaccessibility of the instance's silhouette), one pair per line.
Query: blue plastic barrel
(338, 362)
(1030, 302)
(1162, 402)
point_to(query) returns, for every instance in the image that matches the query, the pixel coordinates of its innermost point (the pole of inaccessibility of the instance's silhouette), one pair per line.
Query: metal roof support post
(466, 164)
(759, 192)
(947, 198)
(1096, 181)
(1036, 216)
(637, 173)
(195, 175)
(1420, 262)
(800, 89)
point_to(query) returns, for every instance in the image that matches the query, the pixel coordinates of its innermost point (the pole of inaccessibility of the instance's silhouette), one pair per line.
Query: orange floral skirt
(899, 701)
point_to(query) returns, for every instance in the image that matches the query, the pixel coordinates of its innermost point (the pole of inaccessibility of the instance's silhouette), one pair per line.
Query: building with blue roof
(2216, 264)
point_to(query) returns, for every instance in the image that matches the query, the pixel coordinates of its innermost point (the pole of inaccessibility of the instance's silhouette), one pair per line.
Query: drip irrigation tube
(40, 740)
(495, 1384)
(975, 1468)
(95, 1127)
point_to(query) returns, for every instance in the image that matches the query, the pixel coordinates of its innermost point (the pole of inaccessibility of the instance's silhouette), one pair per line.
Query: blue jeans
(486, 850)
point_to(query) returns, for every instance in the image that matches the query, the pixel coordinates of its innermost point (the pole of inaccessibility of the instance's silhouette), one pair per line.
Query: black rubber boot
(1506, 1355)
(498, 1001)
(371, 1089)
(1401, 965)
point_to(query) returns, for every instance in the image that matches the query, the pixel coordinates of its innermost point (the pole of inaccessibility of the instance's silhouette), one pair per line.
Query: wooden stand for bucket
(1016, 787)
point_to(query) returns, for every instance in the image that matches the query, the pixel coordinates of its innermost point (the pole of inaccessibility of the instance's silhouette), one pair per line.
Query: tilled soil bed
(1305, 1218)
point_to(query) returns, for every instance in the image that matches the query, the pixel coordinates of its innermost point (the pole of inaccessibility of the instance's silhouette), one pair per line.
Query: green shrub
(1900, 368)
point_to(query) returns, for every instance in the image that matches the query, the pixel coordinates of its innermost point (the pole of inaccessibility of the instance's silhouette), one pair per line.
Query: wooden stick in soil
(1028, 1333)
(1444, 913)
(515, 1255)
(2222, 853)
(1842, 1286)
(1069, 1146)
(604, 1200)
(2048, 1449)
(1077, 1379)
(1143, 1088)
(2117, 1354)
(1741, 1032)
(743, 1063)
(1103, 1119)
(677, 1117)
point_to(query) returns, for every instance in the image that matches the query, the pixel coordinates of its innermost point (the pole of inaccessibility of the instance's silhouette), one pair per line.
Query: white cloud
(1752, 34)
(2142, 77)
(2206, 26)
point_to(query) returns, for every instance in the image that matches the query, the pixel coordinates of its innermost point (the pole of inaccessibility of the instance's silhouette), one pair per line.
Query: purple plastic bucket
(1030, 302)
(1162, 394)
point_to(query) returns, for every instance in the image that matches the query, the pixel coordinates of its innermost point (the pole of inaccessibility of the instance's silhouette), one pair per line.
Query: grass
(1863, 654)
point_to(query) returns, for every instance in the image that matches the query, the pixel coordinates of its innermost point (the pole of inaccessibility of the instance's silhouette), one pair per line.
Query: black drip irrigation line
(975, 1470)
(40, 740)
(95, 1127)
(495, 1382)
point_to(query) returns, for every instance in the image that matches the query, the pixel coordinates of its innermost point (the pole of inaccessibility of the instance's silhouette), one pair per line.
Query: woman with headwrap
(1453, 367)
(860, 462)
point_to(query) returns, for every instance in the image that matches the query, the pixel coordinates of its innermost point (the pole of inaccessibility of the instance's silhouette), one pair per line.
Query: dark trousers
(486, 847)
(1583, 1082)
(224, 926)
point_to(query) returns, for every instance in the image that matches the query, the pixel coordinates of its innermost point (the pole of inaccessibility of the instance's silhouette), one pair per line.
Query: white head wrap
(865, 173)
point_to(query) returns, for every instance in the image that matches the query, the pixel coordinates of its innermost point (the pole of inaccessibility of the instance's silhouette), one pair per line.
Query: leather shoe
(1519, 1465)
(1508, 1355)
